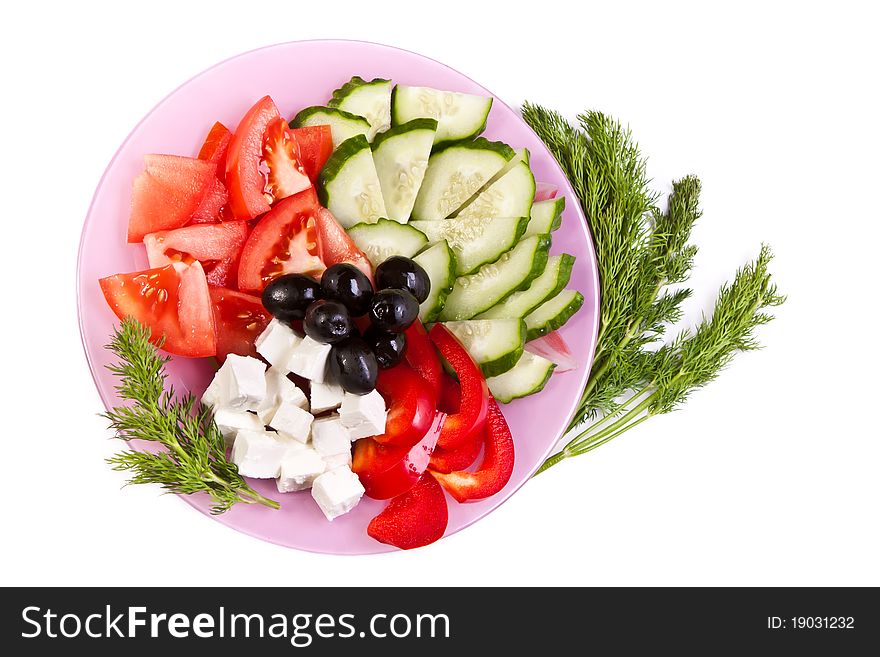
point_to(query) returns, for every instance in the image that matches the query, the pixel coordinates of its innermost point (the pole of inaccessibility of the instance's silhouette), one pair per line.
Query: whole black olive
(348, 285)
(388, 347)
(289, 296)
(327, 322)
(354, 367)
(393, 310)
(404, 274)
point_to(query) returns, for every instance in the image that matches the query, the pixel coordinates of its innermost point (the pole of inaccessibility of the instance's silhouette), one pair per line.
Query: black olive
(348, 285)
(327, 322)
(388, 347)
(354, 367)
(393, 310)
(405, 274)
(289, 296)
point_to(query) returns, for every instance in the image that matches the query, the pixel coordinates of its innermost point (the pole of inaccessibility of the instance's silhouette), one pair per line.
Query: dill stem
(250, 496)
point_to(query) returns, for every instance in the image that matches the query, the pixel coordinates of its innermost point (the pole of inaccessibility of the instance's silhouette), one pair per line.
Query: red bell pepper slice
(411, 406)
(495, 470)
(460, 458)
(461, 427)
(414, 519)
(422, 356)
(450, 395)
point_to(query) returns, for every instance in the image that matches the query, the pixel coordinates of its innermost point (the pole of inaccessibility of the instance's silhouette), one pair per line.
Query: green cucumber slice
(550, 283)
(343, 125)
(348, 185)
(495, 344)
(401, 158)
(474, 241)
(552, 314)
(527, 377)
(439, 263)
(460, 116)
(513, 271)
(455, 173)
(385, 238)
(546, 216)
(510, 196)
(369, 99)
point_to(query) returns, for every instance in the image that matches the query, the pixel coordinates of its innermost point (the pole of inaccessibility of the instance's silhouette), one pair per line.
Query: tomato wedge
(172, 301)
(215, 147)
(336, 246)
(216, 246)
(167, 193)
(315, 147)
(285, 175)
(240, 318)
(283, 242)
(244, 180)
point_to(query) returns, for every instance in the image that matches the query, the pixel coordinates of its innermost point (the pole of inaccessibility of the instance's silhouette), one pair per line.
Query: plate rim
(595, 301)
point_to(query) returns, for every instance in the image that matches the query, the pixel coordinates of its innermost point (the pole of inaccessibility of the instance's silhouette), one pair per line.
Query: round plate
(297, 75)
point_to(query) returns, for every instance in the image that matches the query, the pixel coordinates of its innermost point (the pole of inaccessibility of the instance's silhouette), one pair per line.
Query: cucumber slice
(460, 116)
(546, 216)
(343, 125)
(510, 196)
(496, 344)
(527, 377)
(552, 314)
(455, 173)
(385, 238)
(474, 241)
(546, 286)
(371, 100)
(348, 185)
(439, 263)
(401, 158)
(513, 271)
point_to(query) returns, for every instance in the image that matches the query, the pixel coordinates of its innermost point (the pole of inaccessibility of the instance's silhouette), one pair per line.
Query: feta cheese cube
(276, 344)
(338, 460)
(299, 468)
(363, 415)
(337, 491)
(279, 389)
(292, 422)
(325, 396)
(309, 360)
(329, 437)
(216, 390)
(259, 454)
(242, 383)
(230, 422)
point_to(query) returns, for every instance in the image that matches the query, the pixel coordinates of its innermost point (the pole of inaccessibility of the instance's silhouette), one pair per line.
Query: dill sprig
(194, 459)
(641, 253)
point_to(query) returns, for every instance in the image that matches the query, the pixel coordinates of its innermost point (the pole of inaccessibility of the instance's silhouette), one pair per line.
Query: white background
(767, 477)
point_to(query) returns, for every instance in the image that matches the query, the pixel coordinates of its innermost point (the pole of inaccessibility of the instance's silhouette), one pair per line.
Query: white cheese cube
(259, 454)
(363, 415)
(230, 422)
(299, 468)
(337, 491)
(217, 389)
(309, 360)
(292, 422)
(242, 383)
(329, 437)
(338, 460)
(276, 344)
(325, 396)
(279, 389)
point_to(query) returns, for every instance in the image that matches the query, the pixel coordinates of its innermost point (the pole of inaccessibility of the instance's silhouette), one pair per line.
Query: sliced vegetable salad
(374, 278)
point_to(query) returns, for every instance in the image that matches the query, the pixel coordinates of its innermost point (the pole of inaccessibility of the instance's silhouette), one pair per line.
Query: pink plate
(297, 75)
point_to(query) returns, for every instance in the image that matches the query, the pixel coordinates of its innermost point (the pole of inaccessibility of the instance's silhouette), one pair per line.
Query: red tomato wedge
(387, 472)
(215, 147)
(315, 147)
(240, 318)
(285, 175)
(167, 193)
(336, 246)
(244, 180)
(213, 207)
(216, 246)
(285, 241)
(416, 518)
(172, 301)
